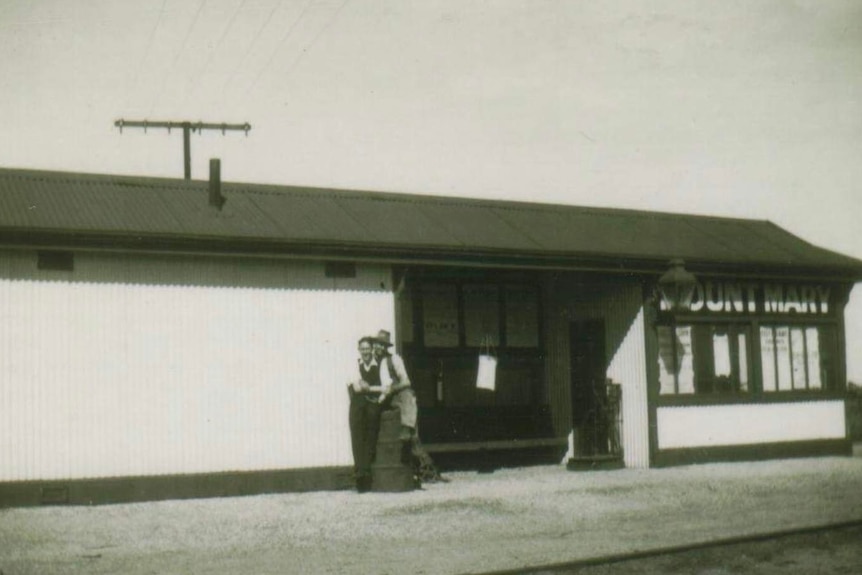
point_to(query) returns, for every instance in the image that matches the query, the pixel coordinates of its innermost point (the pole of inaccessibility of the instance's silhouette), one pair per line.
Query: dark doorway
(588, 373)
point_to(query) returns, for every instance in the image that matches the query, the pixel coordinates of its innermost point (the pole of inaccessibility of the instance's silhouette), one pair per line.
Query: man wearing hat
(395, 383)
(396, 391)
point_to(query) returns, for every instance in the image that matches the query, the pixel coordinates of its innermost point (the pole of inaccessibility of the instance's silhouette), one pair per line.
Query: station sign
(759, 298)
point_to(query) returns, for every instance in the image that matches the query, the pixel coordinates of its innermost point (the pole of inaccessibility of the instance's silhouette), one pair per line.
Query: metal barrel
(392, 470)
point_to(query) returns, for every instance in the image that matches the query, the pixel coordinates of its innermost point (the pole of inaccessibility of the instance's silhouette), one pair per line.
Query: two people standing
(382, 383)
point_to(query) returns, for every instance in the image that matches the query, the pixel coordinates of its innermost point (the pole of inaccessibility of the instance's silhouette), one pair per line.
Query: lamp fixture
(676, 287)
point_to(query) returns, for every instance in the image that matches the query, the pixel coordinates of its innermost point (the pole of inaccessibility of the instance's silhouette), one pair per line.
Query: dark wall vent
(56, 261)
(340, 270)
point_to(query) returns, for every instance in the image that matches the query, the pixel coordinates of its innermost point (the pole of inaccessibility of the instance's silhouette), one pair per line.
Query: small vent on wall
(55, 260)
(340, 270)
(55, 495)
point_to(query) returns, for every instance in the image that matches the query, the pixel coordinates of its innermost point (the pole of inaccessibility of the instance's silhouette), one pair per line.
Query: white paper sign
(685, 357)
(487, 376)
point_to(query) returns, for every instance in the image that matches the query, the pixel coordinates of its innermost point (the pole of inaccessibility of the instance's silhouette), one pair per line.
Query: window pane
(481, 314)
(685, 359)
(721, 364)
(666, 364)
(742, 340)
(522, 316)
(721, 354)
(813, 346)
(782, 354)
(797, 355)
(828, 354)
(440, 315)
(767, 358)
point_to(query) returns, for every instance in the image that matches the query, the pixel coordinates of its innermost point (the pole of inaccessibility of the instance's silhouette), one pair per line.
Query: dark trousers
(364, 428)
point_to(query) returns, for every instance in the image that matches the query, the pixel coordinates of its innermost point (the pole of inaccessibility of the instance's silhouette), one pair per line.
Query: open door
(588, 372)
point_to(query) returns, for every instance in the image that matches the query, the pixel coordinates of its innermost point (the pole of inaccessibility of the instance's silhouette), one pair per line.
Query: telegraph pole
(187, 128)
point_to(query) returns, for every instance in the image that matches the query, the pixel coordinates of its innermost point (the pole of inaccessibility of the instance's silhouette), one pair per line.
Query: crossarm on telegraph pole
(187, 127)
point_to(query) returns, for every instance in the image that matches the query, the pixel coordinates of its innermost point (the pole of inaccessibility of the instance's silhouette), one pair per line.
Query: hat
(383, 337)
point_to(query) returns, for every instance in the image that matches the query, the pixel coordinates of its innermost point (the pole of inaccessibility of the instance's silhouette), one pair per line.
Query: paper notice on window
(782, 356)
(812, 337)
(486, 376)
(797, 357)
(666, 367)
(440, 315)
(686, 359)
(767, 358)
(721, 354)
(743, 361)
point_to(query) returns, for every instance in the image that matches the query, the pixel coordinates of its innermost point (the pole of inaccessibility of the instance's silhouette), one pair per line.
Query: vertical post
(215, 198)
(187, 150)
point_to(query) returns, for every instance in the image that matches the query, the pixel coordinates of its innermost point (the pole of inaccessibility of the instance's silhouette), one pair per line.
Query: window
(522, 316)
(474, 313)
(796, 358)
(704, 359)
(481, 314)
(440, 315)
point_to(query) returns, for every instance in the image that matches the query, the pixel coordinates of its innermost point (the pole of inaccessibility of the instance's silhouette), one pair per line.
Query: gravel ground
(474, 523)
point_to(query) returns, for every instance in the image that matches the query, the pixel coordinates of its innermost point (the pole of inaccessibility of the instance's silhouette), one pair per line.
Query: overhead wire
(283, 39)
(304, 51)
(146, 55)
(179, 53)
(257, 36)
(311, 44)
(213, 52)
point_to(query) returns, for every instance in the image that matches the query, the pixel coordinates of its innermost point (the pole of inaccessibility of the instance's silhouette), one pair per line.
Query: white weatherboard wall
(720, 425)
(620, 306)
(135, 365)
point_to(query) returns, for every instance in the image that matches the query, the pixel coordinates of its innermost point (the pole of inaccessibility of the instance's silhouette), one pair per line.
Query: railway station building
(163, 338)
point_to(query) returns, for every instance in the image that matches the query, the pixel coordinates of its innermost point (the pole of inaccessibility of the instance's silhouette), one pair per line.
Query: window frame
(756, 392)
(701, 327)
(462, 284)
(826, 387)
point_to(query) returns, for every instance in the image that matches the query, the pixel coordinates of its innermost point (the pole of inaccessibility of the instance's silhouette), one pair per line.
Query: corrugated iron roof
(65, 205)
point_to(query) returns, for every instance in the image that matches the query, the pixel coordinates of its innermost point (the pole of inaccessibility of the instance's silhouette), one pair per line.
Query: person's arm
(361, 386)
(401, 374)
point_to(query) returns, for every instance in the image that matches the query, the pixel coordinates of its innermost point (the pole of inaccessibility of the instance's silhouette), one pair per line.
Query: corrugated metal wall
(715, 425)
(620, 305)
(134, 365)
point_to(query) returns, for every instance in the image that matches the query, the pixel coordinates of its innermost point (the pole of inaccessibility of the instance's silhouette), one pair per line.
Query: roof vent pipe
(217, 200)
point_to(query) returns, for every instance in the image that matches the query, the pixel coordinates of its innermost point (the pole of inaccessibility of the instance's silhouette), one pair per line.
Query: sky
(729, 108)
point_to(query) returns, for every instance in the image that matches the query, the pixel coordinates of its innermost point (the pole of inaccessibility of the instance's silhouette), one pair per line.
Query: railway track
(622, 559)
